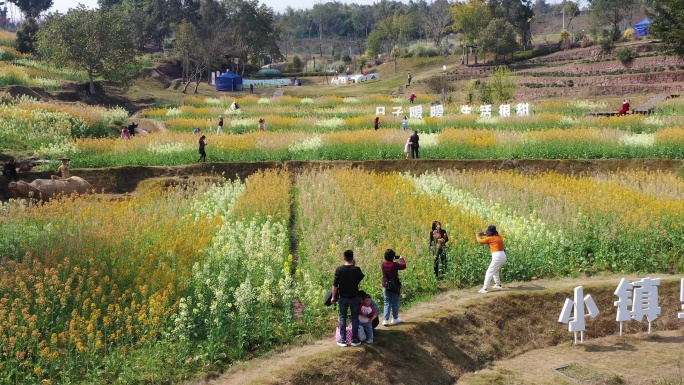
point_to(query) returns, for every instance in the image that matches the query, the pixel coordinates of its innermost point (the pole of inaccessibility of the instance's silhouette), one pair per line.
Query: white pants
(219, 130)
(498, 260)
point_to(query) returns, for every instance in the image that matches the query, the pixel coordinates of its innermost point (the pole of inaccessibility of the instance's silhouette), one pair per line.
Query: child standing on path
(366, 315)
(492, 238)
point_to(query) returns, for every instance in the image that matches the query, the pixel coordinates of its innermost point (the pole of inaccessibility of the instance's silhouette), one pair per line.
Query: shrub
(586, 42)
(626, 56)
(526, 55)
(502, 84)
(346, 59)
(606, 42)
(420, 50)
(629, 34)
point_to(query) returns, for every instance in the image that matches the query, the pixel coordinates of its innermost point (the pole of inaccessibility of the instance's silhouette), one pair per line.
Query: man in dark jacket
(346, 286)
(414, 145)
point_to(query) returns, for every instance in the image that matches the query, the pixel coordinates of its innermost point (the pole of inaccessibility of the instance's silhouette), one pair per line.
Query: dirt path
(267, 369)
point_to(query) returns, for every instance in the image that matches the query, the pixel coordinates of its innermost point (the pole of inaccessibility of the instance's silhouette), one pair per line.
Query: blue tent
(229, 82)
(641, 28)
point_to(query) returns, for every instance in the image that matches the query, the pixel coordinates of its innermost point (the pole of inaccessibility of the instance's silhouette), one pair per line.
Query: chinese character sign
(642, 295)
(416, 112)
(466, 110)
(505, 110)
(379, 110)
(437, 111)
(573, 312)
(397, 111)
(486, 111)
(522, 109)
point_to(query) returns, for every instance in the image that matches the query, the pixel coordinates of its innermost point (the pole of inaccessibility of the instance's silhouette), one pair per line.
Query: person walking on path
(415, 146)
(202, 145)
(409, 79)
(404, 123)
(412, 98)
(251, 88)
(391, 292)
(346, 286)
(376, 123)
(492, 238)
(219, 130)
(438, 240)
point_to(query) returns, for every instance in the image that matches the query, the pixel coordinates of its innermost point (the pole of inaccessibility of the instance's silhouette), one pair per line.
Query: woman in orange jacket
(492, 238)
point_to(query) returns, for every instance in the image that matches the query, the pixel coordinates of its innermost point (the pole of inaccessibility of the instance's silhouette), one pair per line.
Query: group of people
(261, 123)
(351, 300)
(412, 146)
(129, 131)
(345, 292)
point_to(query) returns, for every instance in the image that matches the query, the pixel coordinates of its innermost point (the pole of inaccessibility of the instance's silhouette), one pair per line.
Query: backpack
(327, 300)
(392, 285)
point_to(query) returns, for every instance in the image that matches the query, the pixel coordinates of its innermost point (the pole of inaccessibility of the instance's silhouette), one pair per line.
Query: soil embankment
(121, 180)
(460, 332)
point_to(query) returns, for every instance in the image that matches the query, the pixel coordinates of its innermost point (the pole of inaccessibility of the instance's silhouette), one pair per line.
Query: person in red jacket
(625, 107)
(390, 271)
(492, 238)
(412, 98)
(376, 123)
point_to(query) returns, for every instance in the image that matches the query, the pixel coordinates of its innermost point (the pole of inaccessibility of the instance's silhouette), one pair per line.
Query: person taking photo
(391, 286)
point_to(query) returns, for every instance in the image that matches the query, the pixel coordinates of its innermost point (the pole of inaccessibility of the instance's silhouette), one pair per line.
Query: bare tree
(435, 21)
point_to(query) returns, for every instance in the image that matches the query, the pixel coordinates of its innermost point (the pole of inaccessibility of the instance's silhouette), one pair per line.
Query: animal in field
(45, 189)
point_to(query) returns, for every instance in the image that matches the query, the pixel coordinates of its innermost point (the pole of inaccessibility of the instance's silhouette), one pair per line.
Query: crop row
(203, 274)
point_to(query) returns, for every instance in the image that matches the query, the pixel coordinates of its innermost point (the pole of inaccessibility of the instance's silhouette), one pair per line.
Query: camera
(397, 256)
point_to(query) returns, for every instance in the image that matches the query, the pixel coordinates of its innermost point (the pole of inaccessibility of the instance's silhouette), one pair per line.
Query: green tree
(96, 41)
(149, 21)
(470, 19)
(611, 13)
(374, 44)
(503, 85)
(26, 36)
(32, 8)
(498, 38)
(668, 24)
(517, 13)
(395, 30)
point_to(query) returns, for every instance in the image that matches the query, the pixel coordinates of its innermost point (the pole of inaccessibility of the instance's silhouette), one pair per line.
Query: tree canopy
(96, 41)
(32, 8)
(668, 24)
